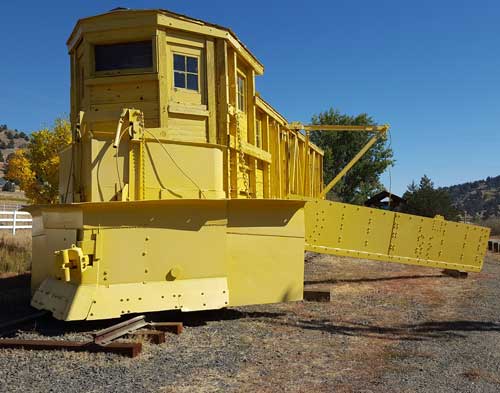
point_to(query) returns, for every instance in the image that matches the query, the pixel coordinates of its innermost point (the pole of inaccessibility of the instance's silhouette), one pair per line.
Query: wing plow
(361, 232)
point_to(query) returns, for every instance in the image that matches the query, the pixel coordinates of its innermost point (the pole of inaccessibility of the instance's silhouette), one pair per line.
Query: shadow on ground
(376, 279)
(15, 304)
(15, 297)
(412, 332)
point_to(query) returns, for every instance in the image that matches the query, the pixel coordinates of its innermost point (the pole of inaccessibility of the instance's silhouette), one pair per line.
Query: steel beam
(105, 336)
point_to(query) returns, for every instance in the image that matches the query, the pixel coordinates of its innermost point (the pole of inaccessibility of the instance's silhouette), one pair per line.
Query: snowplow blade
(103, 260)
(361, 232)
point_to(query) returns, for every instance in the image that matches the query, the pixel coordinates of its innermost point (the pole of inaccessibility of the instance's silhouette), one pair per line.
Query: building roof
(377, 199)
(187, 23)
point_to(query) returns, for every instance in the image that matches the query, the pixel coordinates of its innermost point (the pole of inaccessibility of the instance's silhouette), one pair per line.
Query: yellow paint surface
(361, 232)
(172, 254)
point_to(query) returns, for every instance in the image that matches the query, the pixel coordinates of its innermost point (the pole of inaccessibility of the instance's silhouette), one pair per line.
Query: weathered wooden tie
(455, 273)
(153, 336)
(317, 295)
(136, 327)
(130, 349)
(173, 327)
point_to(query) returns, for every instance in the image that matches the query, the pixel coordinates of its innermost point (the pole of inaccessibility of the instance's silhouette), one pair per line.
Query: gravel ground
(388, 328)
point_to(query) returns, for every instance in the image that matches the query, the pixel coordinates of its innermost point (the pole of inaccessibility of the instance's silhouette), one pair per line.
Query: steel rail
(105, 336)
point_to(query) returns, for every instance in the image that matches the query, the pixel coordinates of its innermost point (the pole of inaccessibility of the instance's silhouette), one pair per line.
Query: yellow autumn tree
(36, 168)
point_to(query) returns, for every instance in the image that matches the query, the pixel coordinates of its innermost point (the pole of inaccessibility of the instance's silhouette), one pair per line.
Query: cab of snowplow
(193, 83)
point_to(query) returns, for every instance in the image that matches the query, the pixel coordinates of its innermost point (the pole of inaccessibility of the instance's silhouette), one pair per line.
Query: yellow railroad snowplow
(184, 189)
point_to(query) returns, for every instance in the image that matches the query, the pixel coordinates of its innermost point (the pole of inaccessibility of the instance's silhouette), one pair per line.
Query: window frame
(124, 71)
(186, 72)
(258, 133)
(241, 95)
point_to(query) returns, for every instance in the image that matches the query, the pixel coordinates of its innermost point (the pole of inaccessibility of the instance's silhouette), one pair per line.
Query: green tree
(425, 200)
(363, 180)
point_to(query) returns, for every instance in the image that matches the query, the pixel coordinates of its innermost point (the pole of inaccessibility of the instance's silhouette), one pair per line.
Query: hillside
(10, 140)
(479, 198)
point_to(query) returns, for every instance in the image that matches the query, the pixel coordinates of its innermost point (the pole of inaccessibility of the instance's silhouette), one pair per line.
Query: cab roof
(176, 21)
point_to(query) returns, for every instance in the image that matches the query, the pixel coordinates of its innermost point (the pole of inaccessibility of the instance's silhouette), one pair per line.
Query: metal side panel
(361, 232)
(185, 295)
(70, 302)
(66, 301)
(265, 251)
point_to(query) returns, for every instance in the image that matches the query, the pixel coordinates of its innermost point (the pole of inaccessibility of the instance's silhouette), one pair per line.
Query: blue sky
(431, 69)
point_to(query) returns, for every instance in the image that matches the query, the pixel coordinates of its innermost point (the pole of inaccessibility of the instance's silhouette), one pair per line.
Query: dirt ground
(388, 328)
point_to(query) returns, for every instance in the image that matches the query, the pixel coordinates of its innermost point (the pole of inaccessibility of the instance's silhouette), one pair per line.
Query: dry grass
(15, 252)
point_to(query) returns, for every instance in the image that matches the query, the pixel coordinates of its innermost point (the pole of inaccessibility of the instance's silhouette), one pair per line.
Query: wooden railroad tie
(153, 336)
(172, 327)
(455, 273)
(136, 327)
(317, 295)
(130, 349)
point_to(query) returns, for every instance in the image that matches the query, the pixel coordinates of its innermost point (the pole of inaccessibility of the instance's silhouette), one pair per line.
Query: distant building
(9, 186)
(385, 200)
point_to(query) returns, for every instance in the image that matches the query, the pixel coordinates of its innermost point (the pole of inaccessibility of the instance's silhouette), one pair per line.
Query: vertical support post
(14, 222)
(211, 93)
(313, 172)
(286, 163)
(280, 195)
(305, 190)
(222, 85)
(162, 66)
(252, 119)
(267, 166)
(234, 160)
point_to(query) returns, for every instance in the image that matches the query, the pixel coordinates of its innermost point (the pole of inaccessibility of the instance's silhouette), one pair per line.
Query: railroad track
(103, 340)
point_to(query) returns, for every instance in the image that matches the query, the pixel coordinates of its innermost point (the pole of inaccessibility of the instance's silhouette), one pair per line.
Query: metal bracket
(71, 258)
(135, 127)
(381, 131)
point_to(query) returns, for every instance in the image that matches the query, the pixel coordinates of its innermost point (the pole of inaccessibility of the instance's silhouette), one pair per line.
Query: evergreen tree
(425, 200)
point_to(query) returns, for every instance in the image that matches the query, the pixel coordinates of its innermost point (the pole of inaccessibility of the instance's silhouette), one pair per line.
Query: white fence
(12, 219)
